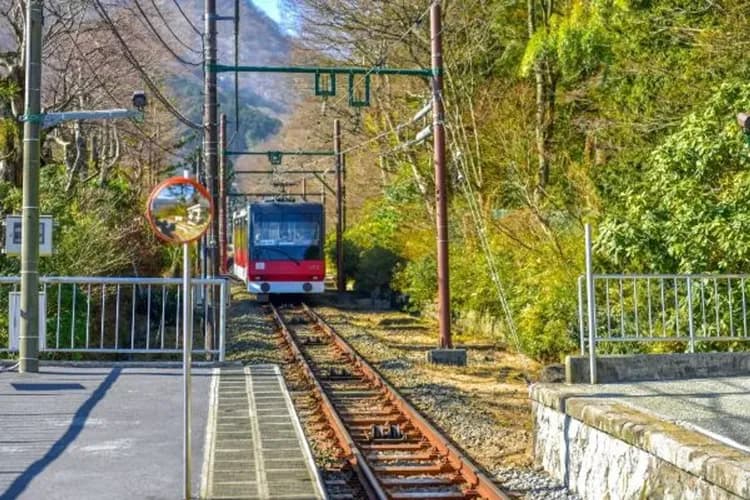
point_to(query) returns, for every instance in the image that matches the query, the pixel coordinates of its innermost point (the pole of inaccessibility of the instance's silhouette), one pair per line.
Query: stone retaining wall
(608, 450)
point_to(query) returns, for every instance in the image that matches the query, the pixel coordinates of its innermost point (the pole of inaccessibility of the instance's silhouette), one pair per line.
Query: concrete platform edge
(641, 367)
(683, 448)
(305, 445)
(210, 441)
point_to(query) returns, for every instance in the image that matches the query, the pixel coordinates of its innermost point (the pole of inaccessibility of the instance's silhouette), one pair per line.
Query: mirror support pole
(187, 347)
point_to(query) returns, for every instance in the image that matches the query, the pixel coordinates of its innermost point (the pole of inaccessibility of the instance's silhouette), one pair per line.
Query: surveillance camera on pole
(140, 101)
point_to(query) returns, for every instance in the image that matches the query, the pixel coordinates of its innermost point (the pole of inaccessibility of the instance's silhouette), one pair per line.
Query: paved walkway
(257, 449)
(95, 433)
(718, 407)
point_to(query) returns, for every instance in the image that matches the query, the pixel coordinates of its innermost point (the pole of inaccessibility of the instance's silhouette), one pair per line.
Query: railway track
(394, 451)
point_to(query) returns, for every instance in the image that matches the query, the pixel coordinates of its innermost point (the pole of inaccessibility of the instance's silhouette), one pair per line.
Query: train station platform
(676, 439)
(107, 431)
(256, 446)
(115, 431)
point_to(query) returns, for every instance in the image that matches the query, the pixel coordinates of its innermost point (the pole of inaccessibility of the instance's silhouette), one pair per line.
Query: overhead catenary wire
(161, 40)
(358, 82)
(360, 145)
(187, 19)
(400, 39)
(373, 68)
(481, 230)
(171, 31)
(114, 100)
(401, 126)
(134, 62)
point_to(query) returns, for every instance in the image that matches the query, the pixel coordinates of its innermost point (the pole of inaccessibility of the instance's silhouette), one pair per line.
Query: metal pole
(691, 326)
(591, 304)
(223, 320)
(222, 207)
(343, 192)
(581, 327)
(187, 346)
(340, 277)
(304, 189)
(441, 193)
(210, 140)
(29, 334)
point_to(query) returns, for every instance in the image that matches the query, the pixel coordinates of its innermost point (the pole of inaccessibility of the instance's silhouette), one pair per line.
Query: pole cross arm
(253, 172)
(311, 70)
(52, 119)
(276, 157)
(282, 153)
(240, 195)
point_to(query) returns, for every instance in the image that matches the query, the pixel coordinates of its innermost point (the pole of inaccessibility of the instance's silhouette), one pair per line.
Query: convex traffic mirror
(179, 210)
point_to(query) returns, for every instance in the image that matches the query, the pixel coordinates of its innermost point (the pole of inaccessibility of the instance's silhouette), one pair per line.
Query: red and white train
(278, 247)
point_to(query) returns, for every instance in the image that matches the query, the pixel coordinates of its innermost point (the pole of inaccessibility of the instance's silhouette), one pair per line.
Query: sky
(270, 7)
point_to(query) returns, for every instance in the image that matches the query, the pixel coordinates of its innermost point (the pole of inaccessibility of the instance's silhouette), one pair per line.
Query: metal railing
(690, 308)
(118, 315)
(669, 308)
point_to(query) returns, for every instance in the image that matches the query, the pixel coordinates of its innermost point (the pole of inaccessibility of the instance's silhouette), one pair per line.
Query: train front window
(286, 237)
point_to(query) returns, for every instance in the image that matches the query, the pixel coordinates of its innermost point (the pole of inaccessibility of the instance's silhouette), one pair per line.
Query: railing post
(591, 304)
(691, 327)
(223, 319)
(581, 326)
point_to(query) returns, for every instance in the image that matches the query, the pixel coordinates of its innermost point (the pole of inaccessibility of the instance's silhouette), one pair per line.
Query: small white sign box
(13, 235)
(14, 315)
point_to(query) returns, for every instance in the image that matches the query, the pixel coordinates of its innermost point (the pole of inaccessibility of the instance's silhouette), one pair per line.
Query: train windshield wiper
(285, 254)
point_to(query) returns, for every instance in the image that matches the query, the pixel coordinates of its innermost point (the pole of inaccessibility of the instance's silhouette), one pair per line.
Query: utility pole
(222, 207)
(441, 193)
(340, 277)
(29, 335)
(210, 139)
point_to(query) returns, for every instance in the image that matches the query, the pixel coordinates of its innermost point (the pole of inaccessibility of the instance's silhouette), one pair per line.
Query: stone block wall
(605, 450)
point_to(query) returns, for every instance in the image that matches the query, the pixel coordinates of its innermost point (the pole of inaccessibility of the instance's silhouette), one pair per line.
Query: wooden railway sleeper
(382, 456)
(359, 420)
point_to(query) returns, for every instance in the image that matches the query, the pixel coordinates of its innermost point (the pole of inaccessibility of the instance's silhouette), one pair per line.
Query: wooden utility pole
(210, 140)
(441, 192)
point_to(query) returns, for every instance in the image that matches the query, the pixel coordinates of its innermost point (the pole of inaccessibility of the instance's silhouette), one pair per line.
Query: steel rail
(477, 480)
(354, 455)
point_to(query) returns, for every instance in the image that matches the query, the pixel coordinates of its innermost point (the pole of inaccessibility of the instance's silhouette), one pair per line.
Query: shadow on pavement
(58, 447)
